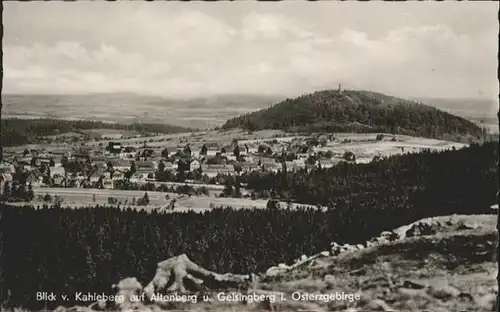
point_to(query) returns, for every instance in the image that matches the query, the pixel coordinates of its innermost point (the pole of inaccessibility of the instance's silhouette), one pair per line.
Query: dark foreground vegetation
(449, 180)
(26, 131)
(88, 249)
(361, 112)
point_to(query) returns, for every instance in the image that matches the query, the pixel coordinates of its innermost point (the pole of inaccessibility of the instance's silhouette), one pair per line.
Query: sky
(187, 49)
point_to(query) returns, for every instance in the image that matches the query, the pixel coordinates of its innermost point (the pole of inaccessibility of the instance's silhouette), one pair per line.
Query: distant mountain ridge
(358, 111)
(128, 108)
(479, 109)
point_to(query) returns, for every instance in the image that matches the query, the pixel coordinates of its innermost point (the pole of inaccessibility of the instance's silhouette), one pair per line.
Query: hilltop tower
(340, 88)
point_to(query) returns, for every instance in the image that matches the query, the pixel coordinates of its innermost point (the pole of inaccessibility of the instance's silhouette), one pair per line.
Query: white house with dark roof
(94, 176)
(144, 166)
(169, 166)
(118, 175)
(57, 171)
(121, 164)
(214, 170)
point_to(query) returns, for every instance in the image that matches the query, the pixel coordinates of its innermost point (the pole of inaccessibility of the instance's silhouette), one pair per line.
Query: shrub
(47, 198)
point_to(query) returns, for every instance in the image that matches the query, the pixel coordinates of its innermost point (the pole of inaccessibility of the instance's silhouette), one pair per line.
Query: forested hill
(357, 111)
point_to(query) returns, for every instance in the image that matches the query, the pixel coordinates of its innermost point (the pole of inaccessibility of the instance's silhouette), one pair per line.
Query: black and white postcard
(249, 156)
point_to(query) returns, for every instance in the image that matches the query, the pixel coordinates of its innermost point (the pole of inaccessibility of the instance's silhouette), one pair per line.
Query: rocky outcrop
(304, 261)
(180, 274)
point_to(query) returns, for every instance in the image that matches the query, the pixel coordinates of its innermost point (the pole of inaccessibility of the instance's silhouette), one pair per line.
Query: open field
(84, 197)
(365, 147)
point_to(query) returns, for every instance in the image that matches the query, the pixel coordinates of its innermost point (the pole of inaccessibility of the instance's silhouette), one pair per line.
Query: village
(199, 160)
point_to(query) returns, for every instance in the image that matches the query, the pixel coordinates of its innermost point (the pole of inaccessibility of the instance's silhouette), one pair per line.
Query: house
(248, 167)
(309, 167)
(72, 182)
(121, 164)
(150, 176)
(97, 153)
(100, 165)
(58, 180)
(4, 178)
(212, 152)
(301, 163)
(45, 161)
(155, 164)
(267, 161)
(291, 166)
(250, 159)
(269, 166)
(194, 165)
(147, 166)
(57, 161)
(129, 149)
(128, 152)
(118, 175)
(108, 183)
(95, 176)
(227, 149)
(24, 164)
(57, 171)
(147, 153)
(7, 167)
(170, 166)
(114, 147)
(243, 150)
(328, 163)
(35, 177)
(60, 153)
(94, 159)
(214, 170)
(81, 177)
(81, 156)
(137, 177)
(303, 155)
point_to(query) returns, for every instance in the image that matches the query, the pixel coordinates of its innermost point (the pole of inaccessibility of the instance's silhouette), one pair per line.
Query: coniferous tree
(6, 192)
(30, 195)
(204, 150)
(236, 151)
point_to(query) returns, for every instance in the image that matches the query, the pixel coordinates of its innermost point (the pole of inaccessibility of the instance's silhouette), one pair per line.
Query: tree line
(186, 189)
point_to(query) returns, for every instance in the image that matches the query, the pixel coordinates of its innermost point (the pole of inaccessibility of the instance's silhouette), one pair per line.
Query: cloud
(70, 67)
(257, 26)
(191, 53)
